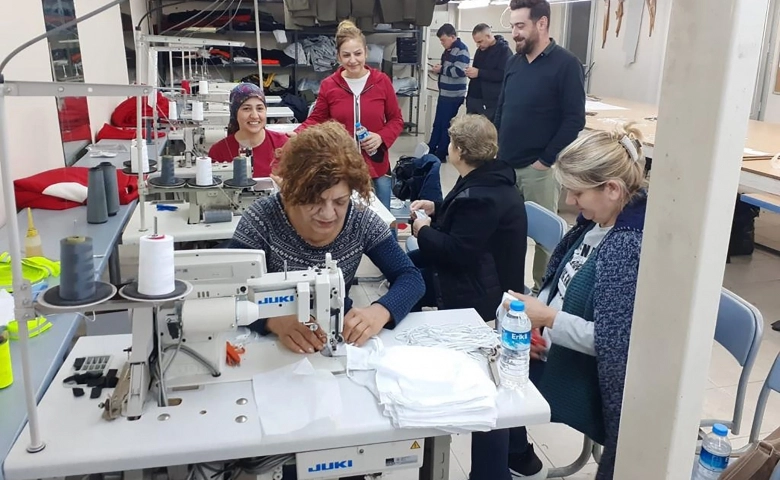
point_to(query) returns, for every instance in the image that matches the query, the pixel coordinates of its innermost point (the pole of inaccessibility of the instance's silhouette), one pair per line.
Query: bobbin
(240, 178)
(167, 178)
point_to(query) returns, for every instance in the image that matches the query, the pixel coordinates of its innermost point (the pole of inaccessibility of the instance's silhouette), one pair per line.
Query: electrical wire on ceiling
(194, 17)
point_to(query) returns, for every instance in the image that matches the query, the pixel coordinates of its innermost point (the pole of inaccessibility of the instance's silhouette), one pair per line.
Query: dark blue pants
(490, 451)
(446, 109)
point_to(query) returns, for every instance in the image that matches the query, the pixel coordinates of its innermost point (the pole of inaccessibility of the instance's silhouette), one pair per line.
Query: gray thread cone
(97, 207)
(112, 190)
(77, 273)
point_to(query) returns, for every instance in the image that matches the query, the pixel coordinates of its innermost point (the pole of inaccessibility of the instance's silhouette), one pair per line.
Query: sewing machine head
(231, 288)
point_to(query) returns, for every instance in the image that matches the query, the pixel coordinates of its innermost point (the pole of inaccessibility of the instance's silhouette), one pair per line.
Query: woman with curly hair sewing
(586, 303)
(315, 213)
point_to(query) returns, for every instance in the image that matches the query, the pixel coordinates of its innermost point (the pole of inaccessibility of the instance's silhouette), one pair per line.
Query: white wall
(103, 57)
(771, 111)
(33, 127)
(640, 81)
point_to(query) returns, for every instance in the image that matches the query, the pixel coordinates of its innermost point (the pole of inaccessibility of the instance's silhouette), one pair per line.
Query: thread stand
(130, 292)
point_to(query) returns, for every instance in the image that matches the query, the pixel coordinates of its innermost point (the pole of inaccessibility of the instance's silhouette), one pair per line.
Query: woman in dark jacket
(472, 245)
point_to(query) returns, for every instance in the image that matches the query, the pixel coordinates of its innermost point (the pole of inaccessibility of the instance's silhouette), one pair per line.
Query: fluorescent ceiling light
(473, 4)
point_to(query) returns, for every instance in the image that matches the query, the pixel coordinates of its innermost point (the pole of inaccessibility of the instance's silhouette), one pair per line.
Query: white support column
(709, 75)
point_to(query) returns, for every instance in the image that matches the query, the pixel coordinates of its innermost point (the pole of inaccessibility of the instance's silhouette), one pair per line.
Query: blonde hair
(475, 137)
(347, 30)
(597, 157)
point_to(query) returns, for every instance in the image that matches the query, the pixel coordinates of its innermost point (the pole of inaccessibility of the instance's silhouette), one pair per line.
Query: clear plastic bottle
(515, 347)
(715, 452)
(362, 134)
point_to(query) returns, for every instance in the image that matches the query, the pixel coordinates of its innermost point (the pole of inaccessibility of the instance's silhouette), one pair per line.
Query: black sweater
(542, 107)
(491, 64)
(477, 242)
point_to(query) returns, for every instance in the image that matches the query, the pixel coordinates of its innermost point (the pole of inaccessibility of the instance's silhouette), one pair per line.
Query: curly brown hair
(319, 158)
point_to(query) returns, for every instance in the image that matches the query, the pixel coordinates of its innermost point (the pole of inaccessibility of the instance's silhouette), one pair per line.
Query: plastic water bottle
(362, 134)
(515, 347)
(715, 452)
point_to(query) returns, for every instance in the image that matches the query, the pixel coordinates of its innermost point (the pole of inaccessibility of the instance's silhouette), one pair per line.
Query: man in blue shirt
(541, 109)
(452, 88)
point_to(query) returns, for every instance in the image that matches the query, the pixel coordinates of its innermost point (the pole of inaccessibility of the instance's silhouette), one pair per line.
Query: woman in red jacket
(246, 129)
(356, 93)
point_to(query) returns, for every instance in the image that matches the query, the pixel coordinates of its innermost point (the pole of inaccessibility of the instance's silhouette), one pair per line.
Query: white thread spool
(155, 265)
(204, 175)
(203, 87)
(197, 111)
(152, 99)
(173, 110)
(134, 153)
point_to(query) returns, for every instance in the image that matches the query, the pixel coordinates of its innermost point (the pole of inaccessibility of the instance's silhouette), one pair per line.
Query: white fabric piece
(376, 54)
(366, 357)
(73, 191)
(435, 387)
(6, 307)
(280, 36)
(316, 393)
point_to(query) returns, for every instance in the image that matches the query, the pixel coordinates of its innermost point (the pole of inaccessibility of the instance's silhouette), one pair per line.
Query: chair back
(739, 328)
(544, 227)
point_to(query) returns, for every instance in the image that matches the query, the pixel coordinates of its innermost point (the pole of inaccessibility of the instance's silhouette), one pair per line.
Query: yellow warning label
(415, 445)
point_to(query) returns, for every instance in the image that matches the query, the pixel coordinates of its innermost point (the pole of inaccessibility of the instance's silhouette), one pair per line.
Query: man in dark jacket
(541, 109)
(472, 246)
(487, 73)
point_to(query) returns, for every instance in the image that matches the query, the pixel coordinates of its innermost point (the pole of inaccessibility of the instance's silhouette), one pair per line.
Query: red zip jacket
(376, 109)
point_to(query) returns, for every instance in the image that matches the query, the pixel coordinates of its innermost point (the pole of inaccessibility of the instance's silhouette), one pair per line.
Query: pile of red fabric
(118, 133)
(29, 191)
(125, 114)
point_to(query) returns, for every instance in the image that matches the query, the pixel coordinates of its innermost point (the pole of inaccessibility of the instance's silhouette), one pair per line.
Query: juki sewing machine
(231, 288)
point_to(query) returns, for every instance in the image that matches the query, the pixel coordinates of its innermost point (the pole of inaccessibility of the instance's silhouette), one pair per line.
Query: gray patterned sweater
(264, 226)
(611, 301)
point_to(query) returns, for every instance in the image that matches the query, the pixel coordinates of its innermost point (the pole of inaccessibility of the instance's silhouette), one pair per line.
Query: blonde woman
(472, 245)
(586, 303)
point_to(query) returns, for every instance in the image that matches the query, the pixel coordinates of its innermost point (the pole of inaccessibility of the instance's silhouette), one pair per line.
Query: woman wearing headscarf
(246, 130)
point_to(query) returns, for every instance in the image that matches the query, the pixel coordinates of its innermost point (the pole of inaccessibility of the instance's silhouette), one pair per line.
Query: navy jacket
(542, 107)
(492, 65)
(476, 244)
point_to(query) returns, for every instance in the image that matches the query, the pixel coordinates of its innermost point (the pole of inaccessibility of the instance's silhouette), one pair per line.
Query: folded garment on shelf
(405, 86)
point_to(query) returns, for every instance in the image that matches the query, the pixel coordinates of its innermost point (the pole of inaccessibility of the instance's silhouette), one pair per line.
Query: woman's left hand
(541, 315)
(360, 324)
(372, 143)
(420, 223)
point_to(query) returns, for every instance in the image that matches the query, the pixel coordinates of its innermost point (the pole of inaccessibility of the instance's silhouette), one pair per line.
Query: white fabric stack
(428, 387)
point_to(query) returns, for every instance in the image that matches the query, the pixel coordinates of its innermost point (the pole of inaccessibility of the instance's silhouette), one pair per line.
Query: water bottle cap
(720, 430)
(517, 306)
(358, 125)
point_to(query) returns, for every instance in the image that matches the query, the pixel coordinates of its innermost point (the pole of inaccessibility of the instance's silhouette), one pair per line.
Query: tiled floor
(755, 278)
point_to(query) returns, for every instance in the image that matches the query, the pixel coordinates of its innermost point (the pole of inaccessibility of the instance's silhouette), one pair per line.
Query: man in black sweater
(541, 109)
(487, 73)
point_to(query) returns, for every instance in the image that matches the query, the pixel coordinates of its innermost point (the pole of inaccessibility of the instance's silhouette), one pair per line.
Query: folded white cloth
(427, 387)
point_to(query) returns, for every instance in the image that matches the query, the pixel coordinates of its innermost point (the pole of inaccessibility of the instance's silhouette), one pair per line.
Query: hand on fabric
(541, 315)
(436, 69)
(538, 165)
(472, 72)
(295, 335)
(420, 223)
(372, 143)
(426, 206)
(360, 324)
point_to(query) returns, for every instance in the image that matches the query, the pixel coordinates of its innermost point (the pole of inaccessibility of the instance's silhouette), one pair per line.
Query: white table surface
(48, 349)
(175, 223)
(79, 441)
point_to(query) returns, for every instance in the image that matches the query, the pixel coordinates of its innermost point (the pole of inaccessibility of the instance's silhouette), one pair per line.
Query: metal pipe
(257, 37)
(139, 74)
(23, 306)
